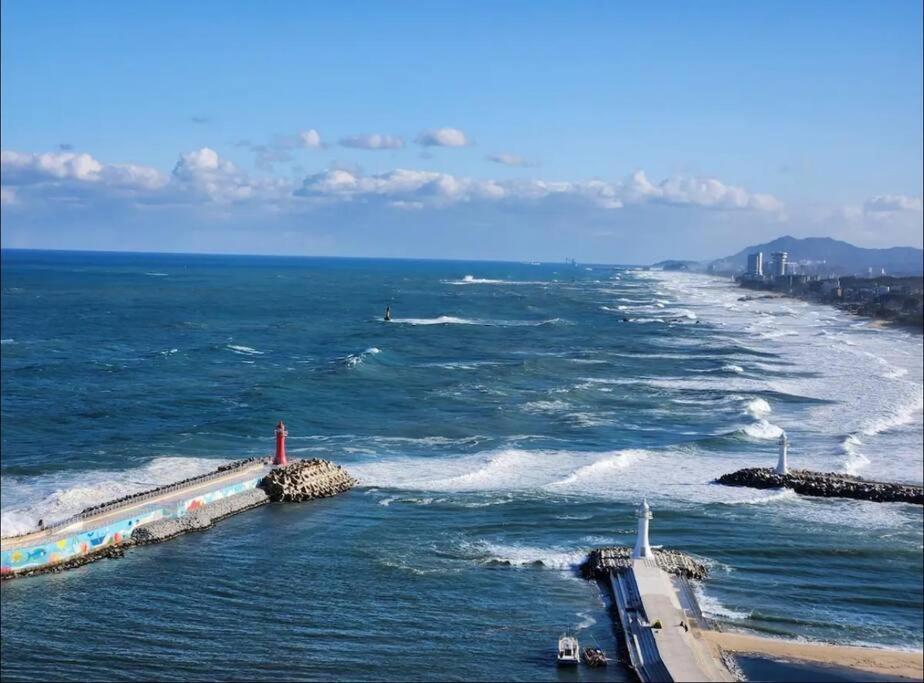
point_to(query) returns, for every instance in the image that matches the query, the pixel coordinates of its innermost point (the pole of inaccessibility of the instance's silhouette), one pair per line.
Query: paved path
(646, 594)
(255, 469)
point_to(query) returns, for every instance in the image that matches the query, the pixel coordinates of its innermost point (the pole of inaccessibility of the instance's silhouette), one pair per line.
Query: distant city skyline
(520, 131)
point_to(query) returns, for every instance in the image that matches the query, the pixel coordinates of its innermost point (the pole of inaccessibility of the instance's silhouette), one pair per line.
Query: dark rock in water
(306, 479)
(603, 560)
(826, 485)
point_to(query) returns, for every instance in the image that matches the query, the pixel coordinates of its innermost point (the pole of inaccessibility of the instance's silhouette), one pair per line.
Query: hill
(833, 256)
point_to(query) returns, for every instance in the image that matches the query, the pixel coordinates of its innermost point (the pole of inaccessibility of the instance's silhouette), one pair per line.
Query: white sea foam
(763, 430)
(472, 280)
(57, 496)
(757, 408)
(7, 341)
(554, 557)
(355, 359)
(711, 606)
(244, 350)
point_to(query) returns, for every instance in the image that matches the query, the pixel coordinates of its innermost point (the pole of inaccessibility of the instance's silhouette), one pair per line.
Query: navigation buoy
(642, 548)
(281, 435)
(782, 467)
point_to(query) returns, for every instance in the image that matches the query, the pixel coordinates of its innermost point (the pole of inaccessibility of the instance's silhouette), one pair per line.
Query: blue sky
(601, 130)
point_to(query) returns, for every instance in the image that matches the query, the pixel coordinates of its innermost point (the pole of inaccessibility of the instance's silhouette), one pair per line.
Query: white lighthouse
(782, 467)
(642, 547)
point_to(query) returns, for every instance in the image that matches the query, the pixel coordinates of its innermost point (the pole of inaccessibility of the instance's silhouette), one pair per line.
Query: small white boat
(569, 653)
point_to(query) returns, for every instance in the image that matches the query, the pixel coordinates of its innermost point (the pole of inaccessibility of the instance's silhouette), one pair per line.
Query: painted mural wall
(97, 538)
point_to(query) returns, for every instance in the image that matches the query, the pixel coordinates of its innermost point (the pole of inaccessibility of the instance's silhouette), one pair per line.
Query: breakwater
(105, 530)
(601, 561)
(306, 479)
(825, 484)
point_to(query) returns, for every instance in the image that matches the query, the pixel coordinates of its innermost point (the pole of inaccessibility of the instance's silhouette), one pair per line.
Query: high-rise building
(778, 263)
(756, 264)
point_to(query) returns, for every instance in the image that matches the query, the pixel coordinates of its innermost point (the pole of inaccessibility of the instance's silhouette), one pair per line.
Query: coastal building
(778, 260)
(756, 265)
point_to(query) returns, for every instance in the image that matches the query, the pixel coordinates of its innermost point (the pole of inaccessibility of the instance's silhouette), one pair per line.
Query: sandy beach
(877, 660)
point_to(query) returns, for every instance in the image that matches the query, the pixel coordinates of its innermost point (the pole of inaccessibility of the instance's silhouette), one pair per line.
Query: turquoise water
(508, 419)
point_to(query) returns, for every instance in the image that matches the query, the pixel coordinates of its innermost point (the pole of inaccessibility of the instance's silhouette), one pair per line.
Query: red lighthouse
(281, 435)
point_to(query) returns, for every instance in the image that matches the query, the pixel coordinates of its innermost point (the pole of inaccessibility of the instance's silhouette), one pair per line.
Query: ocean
(508, 419)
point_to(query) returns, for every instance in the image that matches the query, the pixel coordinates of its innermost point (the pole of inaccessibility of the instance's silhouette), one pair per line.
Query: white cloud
(509, 159)
(441, 188)
(706, 192)
(7, 196)
(372, 141)
(892, 202)
(442, 137)
(203, 172)
(20, 168)
(309, 139)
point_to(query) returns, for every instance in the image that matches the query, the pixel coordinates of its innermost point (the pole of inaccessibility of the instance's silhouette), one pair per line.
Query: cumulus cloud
(372, 141)
(508, 159)
(309, 139)
(707, 192)
(892, 202)
(23, 168)
(442, 137)
(204, 173)
(432, 187)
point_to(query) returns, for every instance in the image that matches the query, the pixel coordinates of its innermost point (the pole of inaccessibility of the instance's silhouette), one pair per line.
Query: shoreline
(884, 661)
(872, 321)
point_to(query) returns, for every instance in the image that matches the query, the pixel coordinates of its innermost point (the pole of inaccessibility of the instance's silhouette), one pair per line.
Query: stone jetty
(199, 520)
(601, 561)
(297, 481)
(306, 479)
(825, 485)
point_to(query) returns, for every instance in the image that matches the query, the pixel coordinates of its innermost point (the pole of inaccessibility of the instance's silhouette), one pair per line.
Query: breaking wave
(354, 359)
(53, 497)
(243, 350)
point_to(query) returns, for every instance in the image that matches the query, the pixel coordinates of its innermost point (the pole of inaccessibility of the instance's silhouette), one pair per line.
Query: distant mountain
(672, 264)
(836, 256)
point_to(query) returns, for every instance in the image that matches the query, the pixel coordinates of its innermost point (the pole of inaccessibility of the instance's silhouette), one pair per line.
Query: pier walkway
(644, 595)
(169, 495)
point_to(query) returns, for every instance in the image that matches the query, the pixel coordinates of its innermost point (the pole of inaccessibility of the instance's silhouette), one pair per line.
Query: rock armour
(603, 560)
(826, 485)
(306, 479)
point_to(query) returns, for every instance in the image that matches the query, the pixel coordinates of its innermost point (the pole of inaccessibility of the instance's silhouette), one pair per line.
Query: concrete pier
(661, 636)
(157, 515)
(658, 616)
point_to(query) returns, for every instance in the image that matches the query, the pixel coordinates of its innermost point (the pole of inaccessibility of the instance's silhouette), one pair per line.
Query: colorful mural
(91, 540)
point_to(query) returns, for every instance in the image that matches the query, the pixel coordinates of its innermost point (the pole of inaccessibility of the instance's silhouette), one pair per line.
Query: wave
(732, 368)
(553, 557)
(354, 359)
(243, 350)
(54, 497)
(776, 334)
(710, 606)
(774, 497)
(763, 430)
(157, 274)
(472, 280)
(601, 468)
(453, 320)
(7, 341)
(757, 408)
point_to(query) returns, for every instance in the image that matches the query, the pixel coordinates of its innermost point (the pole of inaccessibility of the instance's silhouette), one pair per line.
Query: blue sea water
(507, 420)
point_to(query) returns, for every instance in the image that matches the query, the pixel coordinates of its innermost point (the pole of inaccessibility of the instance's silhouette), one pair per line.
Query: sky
(601, 131)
